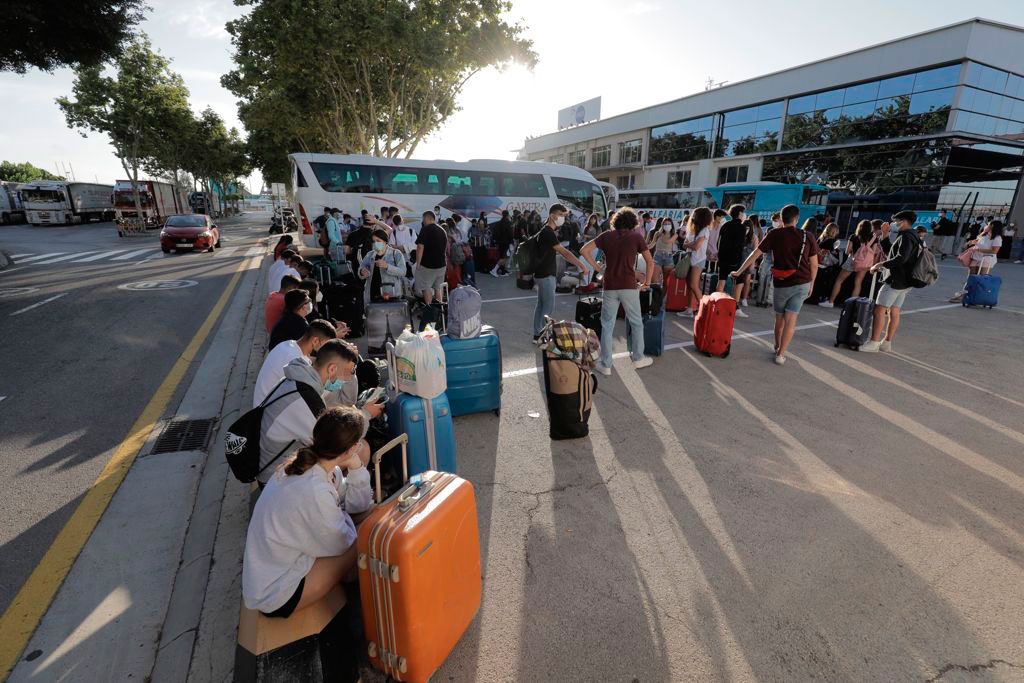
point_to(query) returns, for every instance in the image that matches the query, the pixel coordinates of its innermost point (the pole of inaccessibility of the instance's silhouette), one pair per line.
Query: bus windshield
(579, 194)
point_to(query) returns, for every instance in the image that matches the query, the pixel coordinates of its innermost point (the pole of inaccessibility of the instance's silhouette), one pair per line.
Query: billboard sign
(581, 113)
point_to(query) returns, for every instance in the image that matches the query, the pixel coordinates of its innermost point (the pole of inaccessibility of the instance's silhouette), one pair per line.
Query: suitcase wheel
(497, 412)
(965, 304)
(837, 345)
(727, 350)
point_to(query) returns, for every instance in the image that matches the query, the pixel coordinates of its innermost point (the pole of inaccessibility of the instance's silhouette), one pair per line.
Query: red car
(189, 231)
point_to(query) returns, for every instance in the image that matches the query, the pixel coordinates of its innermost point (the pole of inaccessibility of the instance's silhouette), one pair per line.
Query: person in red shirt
(621, 245)
(284, 243)
(274, 306)
(794, 266)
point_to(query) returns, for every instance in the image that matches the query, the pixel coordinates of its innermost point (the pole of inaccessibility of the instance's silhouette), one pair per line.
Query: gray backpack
(464, 313)
(925, 271)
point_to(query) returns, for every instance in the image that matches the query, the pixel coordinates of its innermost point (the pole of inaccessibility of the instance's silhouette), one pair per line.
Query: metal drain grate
(184, 435)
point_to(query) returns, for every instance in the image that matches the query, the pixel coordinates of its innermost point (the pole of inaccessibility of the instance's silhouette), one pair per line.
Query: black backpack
(242, 440)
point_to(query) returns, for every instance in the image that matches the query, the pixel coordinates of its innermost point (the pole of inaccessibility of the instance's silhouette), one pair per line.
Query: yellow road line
(20, 619)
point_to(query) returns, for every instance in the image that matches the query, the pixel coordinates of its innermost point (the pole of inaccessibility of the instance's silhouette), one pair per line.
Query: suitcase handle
(412, 493)
(401, 439)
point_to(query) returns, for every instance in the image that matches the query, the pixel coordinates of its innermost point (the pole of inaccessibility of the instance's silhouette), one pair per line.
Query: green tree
(47, 35)
(216, 156)
(13, 172)
(361, 76)
(137, 108)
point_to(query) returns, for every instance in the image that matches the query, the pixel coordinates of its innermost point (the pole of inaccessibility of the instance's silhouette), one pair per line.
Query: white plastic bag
(420, 369)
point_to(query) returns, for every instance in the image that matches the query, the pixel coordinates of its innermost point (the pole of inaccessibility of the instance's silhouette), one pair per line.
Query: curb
(189, 592)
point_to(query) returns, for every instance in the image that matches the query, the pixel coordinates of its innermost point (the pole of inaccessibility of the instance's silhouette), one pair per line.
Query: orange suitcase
(419, 571)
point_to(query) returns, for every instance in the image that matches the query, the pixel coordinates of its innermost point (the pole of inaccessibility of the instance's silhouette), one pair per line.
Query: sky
(631, 54)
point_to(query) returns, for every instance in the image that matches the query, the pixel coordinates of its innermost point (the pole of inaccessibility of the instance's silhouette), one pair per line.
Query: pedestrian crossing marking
(42, 256)
(130, 254)
(97, 257)
(63, 258)
(228, 251)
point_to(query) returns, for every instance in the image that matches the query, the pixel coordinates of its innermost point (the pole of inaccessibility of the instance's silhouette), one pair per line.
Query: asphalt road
(847, 516)
(80, 356)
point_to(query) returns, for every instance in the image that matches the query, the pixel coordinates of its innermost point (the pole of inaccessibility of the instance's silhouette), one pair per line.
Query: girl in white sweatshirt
(301, 539)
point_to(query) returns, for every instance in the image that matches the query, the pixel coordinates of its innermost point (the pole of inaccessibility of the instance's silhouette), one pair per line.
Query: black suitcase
(345, 303)
(855, 320)
(588, 313)
(823, 285)
(385, 320)
(652, 302)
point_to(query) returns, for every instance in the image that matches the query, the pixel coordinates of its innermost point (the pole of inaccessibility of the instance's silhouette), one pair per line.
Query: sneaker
(1018, 262)
(870, 347)
(743, 302)
(536, 339)
(643, 362)
(780, 360)
(688, 313)
(603, 370)
(740, 313)
(885, 346)
(955, 299)
(494, 271)
(826, 304)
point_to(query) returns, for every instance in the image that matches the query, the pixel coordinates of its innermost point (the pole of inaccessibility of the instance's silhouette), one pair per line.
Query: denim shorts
(663, 259)
(891, 298)
(790, 299)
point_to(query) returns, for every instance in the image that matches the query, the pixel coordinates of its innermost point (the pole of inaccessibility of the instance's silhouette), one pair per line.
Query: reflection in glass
(831, 98)
(937, 78)
(865, 92)
(897, 85)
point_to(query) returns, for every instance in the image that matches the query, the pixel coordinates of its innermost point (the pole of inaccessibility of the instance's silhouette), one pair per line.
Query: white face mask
(559, 221)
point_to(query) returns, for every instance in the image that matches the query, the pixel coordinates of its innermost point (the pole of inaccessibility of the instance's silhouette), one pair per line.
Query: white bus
(671, 203)
(352, 183)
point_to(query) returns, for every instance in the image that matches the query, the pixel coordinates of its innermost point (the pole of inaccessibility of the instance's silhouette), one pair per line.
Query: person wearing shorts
(730, 252)
(431, 259)
(900, 265)
(794, 255)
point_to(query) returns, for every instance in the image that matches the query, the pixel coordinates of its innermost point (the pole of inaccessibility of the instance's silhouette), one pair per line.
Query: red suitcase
(677, 295)
(712, 328)
(453, 276)
(419, 571)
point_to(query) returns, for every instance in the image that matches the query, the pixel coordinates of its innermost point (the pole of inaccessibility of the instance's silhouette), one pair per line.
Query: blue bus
(761, 199)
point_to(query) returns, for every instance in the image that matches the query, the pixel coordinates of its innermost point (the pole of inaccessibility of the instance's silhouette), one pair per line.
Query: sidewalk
(154, 592)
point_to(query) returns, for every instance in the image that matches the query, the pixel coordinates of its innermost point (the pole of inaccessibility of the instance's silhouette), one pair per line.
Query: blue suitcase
(982, 290)
(654, 335)
(428, 422)
(474, 372)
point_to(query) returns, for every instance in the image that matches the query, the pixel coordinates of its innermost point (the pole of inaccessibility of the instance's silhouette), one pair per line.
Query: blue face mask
(334, 385)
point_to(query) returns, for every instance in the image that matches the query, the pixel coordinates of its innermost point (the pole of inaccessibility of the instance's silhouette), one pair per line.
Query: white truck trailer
(53, 202)
(159, 200)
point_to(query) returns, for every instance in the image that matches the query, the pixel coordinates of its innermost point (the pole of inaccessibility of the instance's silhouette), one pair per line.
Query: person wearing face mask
(663, 243)
(344, 390)
(546, 266)
(384, 268)
(292, 324)
(294, 404)
(306, 346)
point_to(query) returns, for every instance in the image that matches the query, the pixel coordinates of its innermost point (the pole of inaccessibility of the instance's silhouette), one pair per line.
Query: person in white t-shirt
(402, 237)
(276, 270)
(301, 540)
(272, 370)
(698, 237)
(986, 246)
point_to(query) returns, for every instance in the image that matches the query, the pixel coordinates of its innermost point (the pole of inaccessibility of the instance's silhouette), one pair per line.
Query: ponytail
(301, 461)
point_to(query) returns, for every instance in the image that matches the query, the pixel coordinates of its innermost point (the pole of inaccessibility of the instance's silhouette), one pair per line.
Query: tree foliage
(360, 76)
(14, 172)
(47, 35)
(137, 108)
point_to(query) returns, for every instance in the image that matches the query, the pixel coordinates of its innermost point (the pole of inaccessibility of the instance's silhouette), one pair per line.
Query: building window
(601, 157)
(678, 179)
(557, 159)
(682, 141)
(625, 182)
(630, 152)
(732, 174)
(912, 104)
(578, 158)
(991, 104)
(750, 130)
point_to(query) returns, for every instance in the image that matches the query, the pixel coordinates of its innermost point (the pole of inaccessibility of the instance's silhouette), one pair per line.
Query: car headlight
(163, 234)
(205, 233)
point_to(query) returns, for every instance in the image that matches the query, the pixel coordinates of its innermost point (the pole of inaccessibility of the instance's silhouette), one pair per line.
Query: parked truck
(205, 202)
(51, 202)
(159, 200)
(11, 210)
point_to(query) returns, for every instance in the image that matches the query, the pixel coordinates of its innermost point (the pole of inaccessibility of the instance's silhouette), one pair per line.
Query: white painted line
(228, 251)
(37, 305)
(42, 256)
(742, 335)
(521, 298)
(2, 398)
(130, 254)
(21, 255)
(97, 257)
(256, 251)
(63, 258)
(11, 270)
